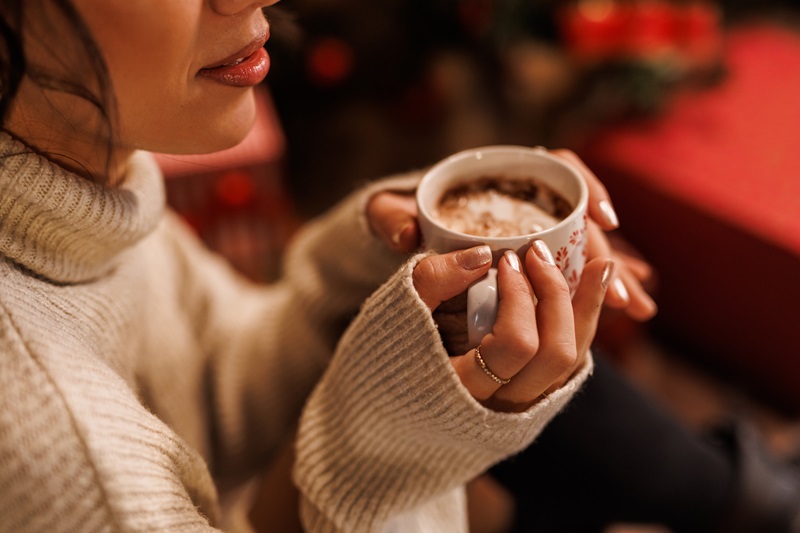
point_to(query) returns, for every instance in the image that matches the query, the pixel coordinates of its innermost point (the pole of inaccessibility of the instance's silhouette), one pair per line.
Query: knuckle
(560, 289)
(522, 347)
(529, 342)
(519, 287)
(425, 272)
(518, 358)
(565, 357)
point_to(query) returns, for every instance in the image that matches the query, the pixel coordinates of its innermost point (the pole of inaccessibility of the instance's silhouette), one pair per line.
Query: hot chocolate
(499, 206)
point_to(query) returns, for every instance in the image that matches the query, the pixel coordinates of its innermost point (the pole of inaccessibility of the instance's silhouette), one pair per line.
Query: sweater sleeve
(390, 427)
(268, 345)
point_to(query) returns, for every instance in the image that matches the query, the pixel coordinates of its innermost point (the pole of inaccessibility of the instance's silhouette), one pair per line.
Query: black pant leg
(613, 455)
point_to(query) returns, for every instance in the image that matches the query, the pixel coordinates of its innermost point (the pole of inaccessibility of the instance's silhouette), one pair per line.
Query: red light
(330, 61)
(235, 189)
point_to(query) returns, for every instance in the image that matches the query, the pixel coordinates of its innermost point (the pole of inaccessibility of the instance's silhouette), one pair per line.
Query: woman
(143, 383)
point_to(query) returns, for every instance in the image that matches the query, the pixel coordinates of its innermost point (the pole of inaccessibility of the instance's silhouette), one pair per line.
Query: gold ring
(482, 364)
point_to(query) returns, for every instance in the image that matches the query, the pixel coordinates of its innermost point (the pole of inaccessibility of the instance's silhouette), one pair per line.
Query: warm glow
(596, 10)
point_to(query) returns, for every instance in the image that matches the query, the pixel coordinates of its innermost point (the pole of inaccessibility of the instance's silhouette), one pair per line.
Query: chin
(212, 132)
(223, 134)
(234, 125)
(221, 141)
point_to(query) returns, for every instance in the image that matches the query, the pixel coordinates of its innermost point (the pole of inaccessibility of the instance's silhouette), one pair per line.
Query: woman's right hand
(539, 341)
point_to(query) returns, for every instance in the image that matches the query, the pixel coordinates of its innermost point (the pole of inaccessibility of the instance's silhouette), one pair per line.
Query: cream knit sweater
(141, 380)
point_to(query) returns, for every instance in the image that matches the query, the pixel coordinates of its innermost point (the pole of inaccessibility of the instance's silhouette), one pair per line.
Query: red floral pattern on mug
(573, 279)
(562, 258)
(571, 268)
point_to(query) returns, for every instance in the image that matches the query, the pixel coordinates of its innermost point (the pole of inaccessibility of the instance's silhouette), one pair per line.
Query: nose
(234, 7)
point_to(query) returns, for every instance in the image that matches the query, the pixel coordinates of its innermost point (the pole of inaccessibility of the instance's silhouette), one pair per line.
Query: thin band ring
(492, 375)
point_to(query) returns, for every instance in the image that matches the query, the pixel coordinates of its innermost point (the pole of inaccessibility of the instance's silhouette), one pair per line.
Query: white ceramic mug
(566, 239)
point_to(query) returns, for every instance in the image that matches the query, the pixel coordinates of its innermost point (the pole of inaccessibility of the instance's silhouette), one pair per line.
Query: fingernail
(608, 271)
(621, 290)
(513, 260)
(541, 250)
(399, 234)
(474, 258)
(609, 215)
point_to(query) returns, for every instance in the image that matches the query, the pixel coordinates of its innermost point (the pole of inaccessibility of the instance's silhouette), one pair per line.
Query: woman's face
(166, 60)
(182, 74)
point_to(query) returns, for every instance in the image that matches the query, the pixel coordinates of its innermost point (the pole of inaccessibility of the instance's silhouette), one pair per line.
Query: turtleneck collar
(67, 228)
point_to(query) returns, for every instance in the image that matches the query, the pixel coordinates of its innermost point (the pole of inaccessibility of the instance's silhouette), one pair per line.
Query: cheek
(150, 77)
(150, 49)
(148, 88)
(161, 104)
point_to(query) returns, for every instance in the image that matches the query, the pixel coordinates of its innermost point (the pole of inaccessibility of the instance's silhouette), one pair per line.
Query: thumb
(438, 278)
(393, 218)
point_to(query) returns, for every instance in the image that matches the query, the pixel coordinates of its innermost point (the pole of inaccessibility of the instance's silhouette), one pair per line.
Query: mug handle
(481, 307)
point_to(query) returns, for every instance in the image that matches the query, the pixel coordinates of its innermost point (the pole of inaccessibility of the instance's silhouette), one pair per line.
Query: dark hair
(12, 59)
(14, 66)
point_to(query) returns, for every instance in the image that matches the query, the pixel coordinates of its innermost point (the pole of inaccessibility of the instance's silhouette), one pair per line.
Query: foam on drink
(496, 206)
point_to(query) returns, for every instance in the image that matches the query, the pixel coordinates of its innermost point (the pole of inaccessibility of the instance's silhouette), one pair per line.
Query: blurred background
(689, 112)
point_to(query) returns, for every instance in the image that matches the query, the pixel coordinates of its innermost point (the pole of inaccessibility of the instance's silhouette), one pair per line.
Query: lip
(244, 68)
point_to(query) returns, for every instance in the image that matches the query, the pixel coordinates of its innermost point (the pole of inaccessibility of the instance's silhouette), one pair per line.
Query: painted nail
(608, 212)
(608, 271)
(513, 260)
(544, 253)
(399, 234)
(474, 258)
(621, 290)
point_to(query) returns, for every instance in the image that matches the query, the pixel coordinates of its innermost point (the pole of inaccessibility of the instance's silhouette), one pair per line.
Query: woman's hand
(625, 290)
(541, 336)
(393, 217)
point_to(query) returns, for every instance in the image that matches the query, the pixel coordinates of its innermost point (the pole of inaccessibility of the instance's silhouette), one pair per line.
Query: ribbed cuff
(337, 261)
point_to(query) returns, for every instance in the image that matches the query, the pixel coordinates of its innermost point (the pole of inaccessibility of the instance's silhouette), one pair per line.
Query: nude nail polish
(608, 271)
(608, 212)
(621, 290)
(474, 258)
(543, 252)
(399, 234)
(513, 260)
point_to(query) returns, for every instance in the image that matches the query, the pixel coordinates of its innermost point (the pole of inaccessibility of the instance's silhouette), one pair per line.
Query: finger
(588, 302)
(638, 267)
(393, 218)
(601, 209)
(556, 330)
(625, 290)
(631, 273)
(513, 341)
(598, 246)
(641, 306)
(440, 277)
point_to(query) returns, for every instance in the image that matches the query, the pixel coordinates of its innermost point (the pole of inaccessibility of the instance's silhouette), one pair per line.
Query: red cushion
(710, 191)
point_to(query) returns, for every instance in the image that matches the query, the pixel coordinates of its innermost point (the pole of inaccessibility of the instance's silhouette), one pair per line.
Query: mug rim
(578, 211)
